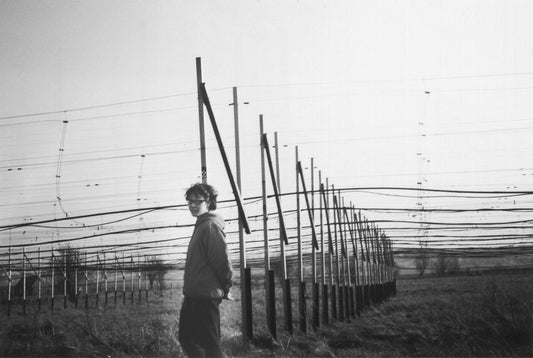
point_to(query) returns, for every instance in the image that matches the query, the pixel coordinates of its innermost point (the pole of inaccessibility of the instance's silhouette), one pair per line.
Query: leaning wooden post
(348, 293)
(364, 278)
(301, 283)
(283, 241)
(246, 280)
(357, 280)
(314, 242)
(339, 257)
(270, 298)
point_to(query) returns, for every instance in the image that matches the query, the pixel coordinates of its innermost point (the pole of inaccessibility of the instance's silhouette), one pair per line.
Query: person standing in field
(207, 277)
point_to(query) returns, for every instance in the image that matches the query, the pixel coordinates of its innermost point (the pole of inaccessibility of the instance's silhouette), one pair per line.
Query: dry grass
(453, 316)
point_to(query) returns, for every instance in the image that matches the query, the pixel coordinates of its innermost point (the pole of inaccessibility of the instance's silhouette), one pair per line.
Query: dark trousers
(199, 327)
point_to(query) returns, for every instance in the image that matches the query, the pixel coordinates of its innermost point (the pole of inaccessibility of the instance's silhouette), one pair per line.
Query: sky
(99, 108)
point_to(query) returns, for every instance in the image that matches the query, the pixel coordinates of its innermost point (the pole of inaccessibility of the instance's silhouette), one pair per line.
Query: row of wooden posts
(72, 280)
(357, 268)
(348, 291)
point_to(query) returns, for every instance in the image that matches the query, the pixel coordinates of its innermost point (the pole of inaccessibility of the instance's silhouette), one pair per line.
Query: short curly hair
(204, 190)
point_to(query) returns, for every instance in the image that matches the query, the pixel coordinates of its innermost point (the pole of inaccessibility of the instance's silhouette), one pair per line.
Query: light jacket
(208, 270)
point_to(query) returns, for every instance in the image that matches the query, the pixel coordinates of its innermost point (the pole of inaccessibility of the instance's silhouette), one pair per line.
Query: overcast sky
(379, 93)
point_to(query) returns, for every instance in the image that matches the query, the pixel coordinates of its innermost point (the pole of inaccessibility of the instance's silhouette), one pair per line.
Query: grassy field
(463, 316)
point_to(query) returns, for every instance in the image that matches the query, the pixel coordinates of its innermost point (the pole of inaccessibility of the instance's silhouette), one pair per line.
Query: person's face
(198, 205)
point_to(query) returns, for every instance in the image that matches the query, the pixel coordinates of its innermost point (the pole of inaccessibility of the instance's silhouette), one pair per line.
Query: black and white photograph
(266, 178)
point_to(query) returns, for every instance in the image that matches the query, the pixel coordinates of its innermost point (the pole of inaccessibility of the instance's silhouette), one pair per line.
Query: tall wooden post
(301, 282)
(316, 289)
(325, 311)
(270, 299)
(245, 272)
(201, 119)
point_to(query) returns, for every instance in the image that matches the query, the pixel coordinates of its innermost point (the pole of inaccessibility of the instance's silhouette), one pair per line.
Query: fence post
(116, 278)
(132, 276)
(9, 283)
(24, 281)
(86, 273)
(325, 314)
(76, 293)
(52, 263)
(39, 297)
(65, 278)
(97, 280)
(105, 281)
(139, 275)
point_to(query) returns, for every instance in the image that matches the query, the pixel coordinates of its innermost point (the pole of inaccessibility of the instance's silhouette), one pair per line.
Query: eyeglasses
(195, 202)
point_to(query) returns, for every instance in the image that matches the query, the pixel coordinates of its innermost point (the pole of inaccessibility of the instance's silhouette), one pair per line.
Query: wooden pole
(349, 288)
(97, 279)
(316, 287)
(270, 300)
(39, 276)
(65, 278)
(86, 282)
(325, 313)
(9, 284)
(105, 281)
(53, 263)
(123, 281)
(339, 257)
(116, 278)
(301, 283)
(139, 277)
(245, 272)
(201, 119)
(132, 274)
(24, 281)
(236, 191)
